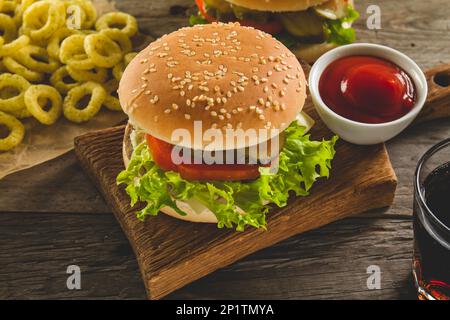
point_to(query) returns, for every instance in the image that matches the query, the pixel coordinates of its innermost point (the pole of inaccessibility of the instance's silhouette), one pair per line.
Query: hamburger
(308, 28)
(230, 80)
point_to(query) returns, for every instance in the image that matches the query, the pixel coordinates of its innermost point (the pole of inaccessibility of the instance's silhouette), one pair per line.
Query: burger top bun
(277, 5)
(220, 76)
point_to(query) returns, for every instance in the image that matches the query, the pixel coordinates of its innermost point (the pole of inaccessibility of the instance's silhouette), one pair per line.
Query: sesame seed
(175, 106)
(187, 116)
(214, 113)
(167, 111)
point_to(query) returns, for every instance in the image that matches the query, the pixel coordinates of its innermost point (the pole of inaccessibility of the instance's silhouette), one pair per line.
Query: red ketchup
(367, 89)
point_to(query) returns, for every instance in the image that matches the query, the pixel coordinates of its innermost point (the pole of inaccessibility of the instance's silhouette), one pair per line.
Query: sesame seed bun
(224, 75)
(277, 5)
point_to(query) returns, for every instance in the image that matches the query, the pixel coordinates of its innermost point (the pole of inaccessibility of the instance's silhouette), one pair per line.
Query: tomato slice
(202, 9)
(162, 155)
(272, 27)
(221, 172)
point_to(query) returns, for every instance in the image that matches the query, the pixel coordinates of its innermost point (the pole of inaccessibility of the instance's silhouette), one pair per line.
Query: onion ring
(57, 80)
(98, 96)
(103, 51)
(16, 134)
(13, 66)
(111, 19)
(8, 27)
(72, 52)
(38, 93)
(52, 12)
(27, 54)
(17, 82)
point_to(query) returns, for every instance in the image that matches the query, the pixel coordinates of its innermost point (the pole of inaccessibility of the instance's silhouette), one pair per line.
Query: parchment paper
(43, 143)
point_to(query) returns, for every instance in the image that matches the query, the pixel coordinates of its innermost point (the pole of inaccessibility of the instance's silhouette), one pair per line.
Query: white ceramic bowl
(358, 132)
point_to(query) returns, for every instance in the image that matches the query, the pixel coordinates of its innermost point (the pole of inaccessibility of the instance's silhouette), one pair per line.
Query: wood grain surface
(51, 216)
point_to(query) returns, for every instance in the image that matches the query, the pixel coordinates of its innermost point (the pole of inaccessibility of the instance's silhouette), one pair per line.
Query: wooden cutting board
(172, 253)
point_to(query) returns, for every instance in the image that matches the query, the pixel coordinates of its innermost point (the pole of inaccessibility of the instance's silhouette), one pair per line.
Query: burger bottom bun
(311, 52)
(195, 210)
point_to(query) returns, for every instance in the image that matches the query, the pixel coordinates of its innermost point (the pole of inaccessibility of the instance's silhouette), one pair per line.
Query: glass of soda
(431, 221)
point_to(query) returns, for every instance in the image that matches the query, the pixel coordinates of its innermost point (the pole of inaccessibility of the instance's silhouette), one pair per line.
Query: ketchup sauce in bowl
(367, 93)
(367, 89)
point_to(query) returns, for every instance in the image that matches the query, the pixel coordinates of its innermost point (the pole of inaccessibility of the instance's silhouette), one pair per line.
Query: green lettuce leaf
(301, 163)
(340, 31)
(197, 19)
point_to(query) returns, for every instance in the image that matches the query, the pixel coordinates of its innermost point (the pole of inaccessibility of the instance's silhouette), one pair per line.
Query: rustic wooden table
(51, 216)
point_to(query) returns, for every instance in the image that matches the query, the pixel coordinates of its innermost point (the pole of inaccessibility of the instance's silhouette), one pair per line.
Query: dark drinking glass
(431, 259)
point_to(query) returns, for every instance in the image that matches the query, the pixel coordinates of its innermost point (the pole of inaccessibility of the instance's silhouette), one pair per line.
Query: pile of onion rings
(53, 54)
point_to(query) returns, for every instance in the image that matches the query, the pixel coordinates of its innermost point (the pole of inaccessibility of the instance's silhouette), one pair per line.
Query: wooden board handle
(437, 105)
